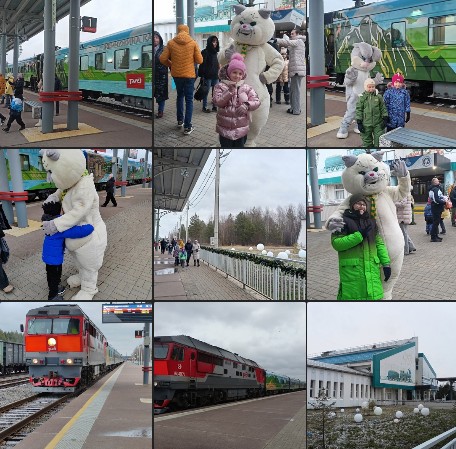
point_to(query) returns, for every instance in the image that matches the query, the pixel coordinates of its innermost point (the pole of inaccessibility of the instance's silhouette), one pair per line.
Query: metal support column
(191, 16)
(146, 161)
(179, 13)
(217, 198)
(157, 233)
(186, 228)
(73, 64)
(15, 50)
(146, 353)
(47, 122)
(4, 187)
(3, 68)
(114, 163)
(313, 175)
(317, 68)
(123, 190)
(18, 186)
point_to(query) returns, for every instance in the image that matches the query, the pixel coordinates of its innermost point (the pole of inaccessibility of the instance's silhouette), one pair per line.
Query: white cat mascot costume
(251, 29)
(367, 175)
(363, 59)
(80, 203)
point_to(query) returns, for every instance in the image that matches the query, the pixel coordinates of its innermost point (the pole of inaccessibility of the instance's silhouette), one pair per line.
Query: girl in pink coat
(234, 100)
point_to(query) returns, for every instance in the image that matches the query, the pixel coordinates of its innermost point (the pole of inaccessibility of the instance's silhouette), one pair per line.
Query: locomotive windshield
(40, 326)
(160, 351)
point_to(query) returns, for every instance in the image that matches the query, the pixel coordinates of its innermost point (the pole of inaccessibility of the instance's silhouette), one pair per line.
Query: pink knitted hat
(236, 62)
(398, 77)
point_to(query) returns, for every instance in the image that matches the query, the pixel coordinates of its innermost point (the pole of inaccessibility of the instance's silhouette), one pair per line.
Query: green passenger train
(417, 38)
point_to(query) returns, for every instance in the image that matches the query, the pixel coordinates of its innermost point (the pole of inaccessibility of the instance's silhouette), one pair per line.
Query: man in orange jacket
(181, 54)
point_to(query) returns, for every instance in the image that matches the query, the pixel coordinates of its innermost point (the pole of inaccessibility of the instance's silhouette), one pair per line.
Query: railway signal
(89, 24)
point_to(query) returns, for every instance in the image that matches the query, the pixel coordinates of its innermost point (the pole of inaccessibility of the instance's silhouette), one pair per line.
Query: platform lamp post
(73, 63)
(3, 44)
(146, 353)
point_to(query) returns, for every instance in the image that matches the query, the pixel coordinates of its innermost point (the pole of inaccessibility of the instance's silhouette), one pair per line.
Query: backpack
(16, 105)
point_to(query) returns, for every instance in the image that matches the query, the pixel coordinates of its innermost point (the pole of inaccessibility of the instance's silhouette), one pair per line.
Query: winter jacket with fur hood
(234, 102)
(181, 54)
(404, 210)
(297, 59)
(283, 78)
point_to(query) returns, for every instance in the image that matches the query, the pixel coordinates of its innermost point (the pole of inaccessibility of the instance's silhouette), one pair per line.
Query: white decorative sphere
(399, 414)
(250, 249)
(378, 411)
(270, 254)
(302, 253)
(425, 411)
(357, 410)
(233, 249)
(358, 417)
(331, 415)
(260, 247)
(288, 251)
(365, 404)
(264, 252)
(416, 410)
(282, 255)
(342, 410)
(420, 406)
(396, 420)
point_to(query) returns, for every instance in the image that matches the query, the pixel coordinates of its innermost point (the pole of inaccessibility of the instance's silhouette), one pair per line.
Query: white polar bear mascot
(363, 60)
(80, 203)
(250, 31)
(367, 175)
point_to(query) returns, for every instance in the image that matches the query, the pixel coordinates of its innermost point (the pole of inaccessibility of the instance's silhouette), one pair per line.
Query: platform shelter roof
(28, 15)
(176, 172)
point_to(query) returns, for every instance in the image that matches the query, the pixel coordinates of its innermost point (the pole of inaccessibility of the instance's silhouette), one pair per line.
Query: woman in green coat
(361, 253)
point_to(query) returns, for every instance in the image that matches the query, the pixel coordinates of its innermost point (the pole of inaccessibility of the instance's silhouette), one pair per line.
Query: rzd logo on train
(136, 81)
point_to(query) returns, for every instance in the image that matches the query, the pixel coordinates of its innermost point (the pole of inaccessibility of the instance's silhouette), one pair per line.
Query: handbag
(201, 91)
(448, 204)
(4, 251)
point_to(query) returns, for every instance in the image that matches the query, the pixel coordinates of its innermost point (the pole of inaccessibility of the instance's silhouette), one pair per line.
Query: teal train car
(278, 383)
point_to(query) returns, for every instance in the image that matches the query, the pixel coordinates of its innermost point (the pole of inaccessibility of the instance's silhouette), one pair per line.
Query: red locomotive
(64, 350)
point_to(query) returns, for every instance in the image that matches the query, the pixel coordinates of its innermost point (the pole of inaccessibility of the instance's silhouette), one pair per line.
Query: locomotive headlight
(70, 361)
(155, 384)
(35, 361)
(52, 341)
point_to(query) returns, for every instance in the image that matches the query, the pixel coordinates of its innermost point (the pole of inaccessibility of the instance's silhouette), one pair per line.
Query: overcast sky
(120, 336)
(340, 325)
(112, 15)
(248, 178)
(273, 334)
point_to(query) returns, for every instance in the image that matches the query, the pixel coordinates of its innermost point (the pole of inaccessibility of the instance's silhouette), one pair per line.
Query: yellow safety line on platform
(331, 124)
(56, 440)
(146, 400)
(60, 132)
(18, 232)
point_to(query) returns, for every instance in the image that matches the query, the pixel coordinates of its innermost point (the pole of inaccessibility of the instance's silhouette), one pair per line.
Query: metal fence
(273, 283)
(434, 441)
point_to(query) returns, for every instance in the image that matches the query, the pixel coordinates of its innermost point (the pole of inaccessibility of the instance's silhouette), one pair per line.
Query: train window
(225, 371)
(122, 59)
(25, 162)
(205, 358)
(66, 326)
(178, 353)
(39, 326)
(243, 367)
(84, 62)
(398, 35)
(100, 61)
(146, 57)
(235, 365)
(442, 30)
(218, 361)
(160, 351)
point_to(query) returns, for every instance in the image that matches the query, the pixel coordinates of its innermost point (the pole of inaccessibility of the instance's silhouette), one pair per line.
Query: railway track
(12, 382)
(19, 414)
(109, 103)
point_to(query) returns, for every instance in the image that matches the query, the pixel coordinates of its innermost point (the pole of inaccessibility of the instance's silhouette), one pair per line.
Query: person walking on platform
(160, 72)
(57, 88)
(15, 114)
(19, 86)
(438, 201)
(110, 190)
(189, 249)
(2, 88)
(209, 69)
(54, 248)
(196, 256)
(4, 282)
(9, 86)
(181, 54)
(163, 246)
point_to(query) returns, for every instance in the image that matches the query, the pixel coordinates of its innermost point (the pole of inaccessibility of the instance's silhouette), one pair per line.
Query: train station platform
(438, 119)
(414, 282)
(98, 127)
(282, 130)
(114, 413)
(127, 266)
(274, 422)
(193, 283)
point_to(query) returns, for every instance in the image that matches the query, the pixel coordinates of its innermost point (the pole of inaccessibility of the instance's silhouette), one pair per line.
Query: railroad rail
(12, 382)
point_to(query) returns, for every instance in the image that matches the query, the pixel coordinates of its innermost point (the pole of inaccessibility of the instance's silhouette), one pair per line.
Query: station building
(388, 372)
(422, 164)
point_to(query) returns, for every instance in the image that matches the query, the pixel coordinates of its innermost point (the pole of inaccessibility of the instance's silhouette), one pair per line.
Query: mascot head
(251, 26)
(365, 174)
(364, 56)
(64, 167)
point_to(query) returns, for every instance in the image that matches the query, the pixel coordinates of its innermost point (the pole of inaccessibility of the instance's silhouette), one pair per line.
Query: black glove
(365, 231)
(385, 121)
(387, 273)
(407, 117)
(360, 126)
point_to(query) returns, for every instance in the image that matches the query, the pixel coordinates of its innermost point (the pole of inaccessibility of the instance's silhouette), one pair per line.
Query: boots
(287, 98)
(198, 262)
(194, 263)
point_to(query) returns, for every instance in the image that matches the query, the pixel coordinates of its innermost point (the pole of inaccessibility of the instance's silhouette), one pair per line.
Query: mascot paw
(351, 73)
(263, 78)
(335, 224)
(400, 168)
(229, 52)
(49, 227)
(378, 78)
(74, 281)
(82, 296)
(342, 133)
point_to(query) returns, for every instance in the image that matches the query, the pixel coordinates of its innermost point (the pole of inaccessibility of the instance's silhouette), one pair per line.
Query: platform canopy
(175, 174)
(28, 16)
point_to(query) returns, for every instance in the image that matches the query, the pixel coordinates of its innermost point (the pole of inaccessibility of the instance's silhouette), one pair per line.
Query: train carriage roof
(205, 347)
(57, 309)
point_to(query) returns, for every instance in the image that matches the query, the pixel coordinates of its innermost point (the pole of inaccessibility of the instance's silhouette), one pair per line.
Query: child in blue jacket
(15, 114)
(397, 102)
(54, 248)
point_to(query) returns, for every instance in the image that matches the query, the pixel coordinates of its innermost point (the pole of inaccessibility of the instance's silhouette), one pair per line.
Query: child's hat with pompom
(236, 62)
(398, 77)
